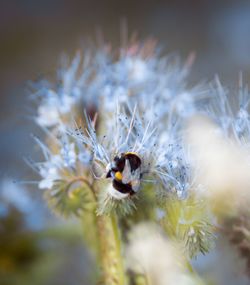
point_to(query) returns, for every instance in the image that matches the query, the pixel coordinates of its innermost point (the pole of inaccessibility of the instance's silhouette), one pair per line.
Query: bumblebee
(125, 172)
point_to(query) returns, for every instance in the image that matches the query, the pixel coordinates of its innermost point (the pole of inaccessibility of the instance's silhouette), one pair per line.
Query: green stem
(112, 270)
(194, 273)
(190, 267)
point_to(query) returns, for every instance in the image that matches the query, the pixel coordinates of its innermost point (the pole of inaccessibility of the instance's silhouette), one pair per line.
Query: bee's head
(116, 166)
(125, 173)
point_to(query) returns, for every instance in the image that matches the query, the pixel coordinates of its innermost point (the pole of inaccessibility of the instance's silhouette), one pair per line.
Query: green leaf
(189, 223)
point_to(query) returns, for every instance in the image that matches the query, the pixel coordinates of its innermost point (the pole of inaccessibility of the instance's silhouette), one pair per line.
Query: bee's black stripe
(123, 188)
(134, 160)
(120, 163)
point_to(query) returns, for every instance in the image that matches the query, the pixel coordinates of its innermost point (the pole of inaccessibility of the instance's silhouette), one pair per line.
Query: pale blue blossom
(141, 100)
(69, 158)
(49, 171)
(231, 111)
(99, 79)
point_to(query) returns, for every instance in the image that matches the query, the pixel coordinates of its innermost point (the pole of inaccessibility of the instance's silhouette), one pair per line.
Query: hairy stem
(112, 271)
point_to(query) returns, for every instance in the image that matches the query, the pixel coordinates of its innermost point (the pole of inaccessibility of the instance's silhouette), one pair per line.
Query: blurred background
(35, 246)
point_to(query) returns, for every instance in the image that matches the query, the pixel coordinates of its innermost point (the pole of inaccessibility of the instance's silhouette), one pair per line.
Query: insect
(125, 172)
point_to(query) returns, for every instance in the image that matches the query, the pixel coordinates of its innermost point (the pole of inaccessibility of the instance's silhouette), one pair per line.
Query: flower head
(141, 99)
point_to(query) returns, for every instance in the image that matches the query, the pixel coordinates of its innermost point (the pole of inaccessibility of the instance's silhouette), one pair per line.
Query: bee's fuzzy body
(125, 172)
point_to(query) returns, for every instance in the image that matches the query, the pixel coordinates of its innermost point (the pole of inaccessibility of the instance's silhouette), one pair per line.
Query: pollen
(118, 175)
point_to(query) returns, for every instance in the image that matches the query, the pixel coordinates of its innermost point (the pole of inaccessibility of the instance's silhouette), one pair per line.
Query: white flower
(153, 255)
(65, 104)
(68, 154)
(65, 160)
(47, 116)
(60, 100)
(50, 171)
(222, 165)
(138, 69)
(48, 113)
(52, 108)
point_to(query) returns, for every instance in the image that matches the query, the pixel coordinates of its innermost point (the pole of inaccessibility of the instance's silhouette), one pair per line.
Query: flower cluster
(97, 80)
(117, 139)
(134, 102)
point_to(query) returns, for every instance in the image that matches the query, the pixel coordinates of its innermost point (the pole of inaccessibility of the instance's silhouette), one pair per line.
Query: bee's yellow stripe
(134, 153)
(118, 175)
